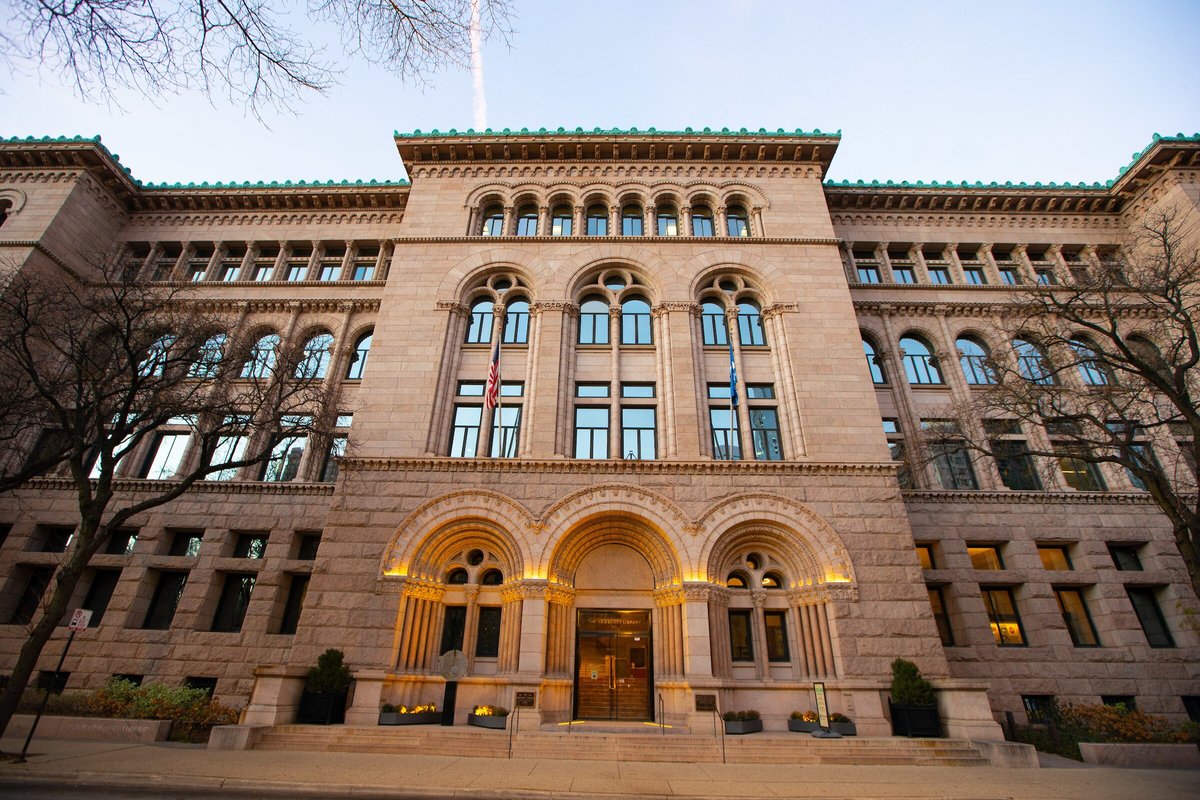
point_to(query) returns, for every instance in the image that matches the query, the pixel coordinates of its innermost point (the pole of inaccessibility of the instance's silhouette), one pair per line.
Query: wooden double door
(614, 677)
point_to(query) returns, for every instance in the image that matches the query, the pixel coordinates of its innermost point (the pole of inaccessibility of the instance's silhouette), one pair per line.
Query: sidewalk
(300, 774)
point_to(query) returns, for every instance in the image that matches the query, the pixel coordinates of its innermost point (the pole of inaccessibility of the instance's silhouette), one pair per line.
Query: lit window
(1077, 618)
(1054, 557)
(985, 557)
(925, 556)
(1002, 614)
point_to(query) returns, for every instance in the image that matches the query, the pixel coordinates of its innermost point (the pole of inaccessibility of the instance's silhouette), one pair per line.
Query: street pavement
(165, 770)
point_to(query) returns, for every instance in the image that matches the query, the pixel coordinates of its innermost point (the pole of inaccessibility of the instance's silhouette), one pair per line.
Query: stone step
(765, 748)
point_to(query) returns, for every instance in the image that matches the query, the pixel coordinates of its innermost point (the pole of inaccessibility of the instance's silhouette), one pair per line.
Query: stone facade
(623, 273)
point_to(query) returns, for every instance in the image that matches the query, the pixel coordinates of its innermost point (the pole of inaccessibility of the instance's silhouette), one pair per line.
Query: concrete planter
(423, 718)
(321, 708)
(1140, 755)
(740, 726)
(480, 721)
(800, 726)
(915, 720)
(844, 728)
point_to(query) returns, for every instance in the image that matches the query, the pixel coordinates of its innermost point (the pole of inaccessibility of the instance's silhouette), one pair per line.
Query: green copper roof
(615, 132)
(1095, 186)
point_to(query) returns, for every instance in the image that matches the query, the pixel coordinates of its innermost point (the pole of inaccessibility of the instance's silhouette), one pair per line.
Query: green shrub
(67, 704)
(330, 675)
(191, 711)
(1067, 725)
(805, 716)
(838, 716)
(740, 716)
(908, 687)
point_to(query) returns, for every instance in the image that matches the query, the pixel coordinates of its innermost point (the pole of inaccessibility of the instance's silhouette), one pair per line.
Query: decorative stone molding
(143, 486)
(612, 466)
(977, 497)
(668, 596)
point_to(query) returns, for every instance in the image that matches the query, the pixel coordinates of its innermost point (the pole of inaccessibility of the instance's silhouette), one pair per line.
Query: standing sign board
(822, 705)
(80, 620)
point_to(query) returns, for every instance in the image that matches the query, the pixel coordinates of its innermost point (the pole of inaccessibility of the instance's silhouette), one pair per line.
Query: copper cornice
(241, 199)
(970, 200)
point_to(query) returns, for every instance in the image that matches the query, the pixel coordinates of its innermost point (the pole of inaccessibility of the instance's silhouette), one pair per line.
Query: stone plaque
(706, 702)
(525, 699)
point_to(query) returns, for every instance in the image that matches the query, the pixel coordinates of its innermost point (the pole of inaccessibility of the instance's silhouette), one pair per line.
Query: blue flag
(733, 392)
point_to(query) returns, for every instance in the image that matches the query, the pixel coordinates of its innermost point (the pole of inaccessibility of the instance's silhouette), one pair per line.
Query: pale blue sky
(1062, 91)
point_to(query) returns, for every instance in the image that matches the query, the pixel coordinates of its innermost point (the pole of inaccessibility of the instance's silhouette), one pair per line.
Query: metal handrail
(662, 722)
(516, 719)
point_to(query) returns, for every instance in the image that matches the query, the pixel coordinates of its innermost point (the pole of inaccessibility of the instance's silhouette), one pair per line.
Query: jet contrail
(479, 101)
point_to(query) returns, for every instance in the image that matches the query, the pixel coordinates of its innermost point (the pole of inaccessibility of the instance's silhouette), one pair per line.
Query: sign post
(823, 714)
(79, 622)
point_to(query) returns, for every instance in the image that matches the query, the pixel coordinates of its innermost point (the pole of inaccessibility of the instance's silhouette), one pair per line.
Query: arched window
(209, 357)
(5, 207)
(261, 362)
(712, 321)
(491, 577)
(480, 329)
(631, 220)
(561, 221)
(156, 356)
(493, 221)
(597, 221)
(593, 321)
(527, 221)
(737, 222)
(668, 222)
(516, 322)
(750, 326)
(315, 360)
(1031, 362)
(973, 356)
(358, 360)
(635, 321)
(737, 580)
(772, 580)
(1090, 368)
(456, 576)
(702, 221)
(919, 362)
(874, 363)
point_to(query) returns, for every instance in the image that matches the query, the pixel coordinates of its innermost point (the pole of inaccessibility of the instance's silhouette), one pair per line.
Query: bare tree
(92, 369)
(243, 49)
(1107, 367)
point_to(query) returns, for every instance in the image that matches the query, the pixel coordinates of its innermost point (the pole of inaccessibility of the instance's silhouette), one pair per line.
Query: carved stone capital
(698, 592)
(775, 309)
(668, 596)
(421, 589)
(759, 596)
(472, 591)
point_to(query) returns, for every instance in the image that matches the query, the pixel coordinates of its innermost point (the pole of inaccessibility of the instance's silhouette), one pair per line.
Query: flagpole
(732, 389)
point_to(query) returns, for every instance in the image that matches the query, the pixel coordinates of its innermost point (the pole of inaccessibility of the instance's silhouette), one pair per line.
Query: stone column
(560, 633)
(905, 404)
(759, 625)
(956, 268)
(468, 645)
(614, 220)
(473, 223)
(951, 368)
(917, 255)
(718, 627)
(531, 658)
(781, 365)
(990, 267)
(580, 228)
(614, 413)
(756, 222)
(510, 629)
(509, 222)
(650, 220)
(543, 222)
(685, 220)
(722, 222)
(454, 329)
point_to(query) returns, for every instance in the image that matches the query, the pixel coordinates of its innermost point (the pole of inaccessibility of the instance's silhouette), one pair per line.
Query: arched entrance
(614, 654)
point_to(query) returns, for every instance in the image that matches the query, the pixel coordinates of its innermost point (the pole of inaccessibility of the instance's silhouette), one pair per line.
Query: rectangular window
(100, 592)
(760, 391)
(1150, 616)
(470, 388)
(985, 557)
(561, 226)
(337, 449)
(776, 633)
(1015, 465)
(307, 545)
(939, 275)
(231, 607)
(592, 390)
(764, 432)
(597, 226)
(1002, 614)
(55, 538)
(591, 432)
(295, 272)
(902, 273)
(726, 437)
(937, 601)
(637, 390)
(638, 433)
(868, 274)
(185, 543)
(1076, 617)
(121, 543)
(1054, 557)
(487, 635)
(131, 677)
(718, 391)
(974, 275)
(952, 464)
(294, 604)
(702, 226)
(1046, 277)
(668, 226)
(205, 684)
(1081, 475)
(167, 456)
(262, 272)
(1125, 557)
(229, 273)
(229, 449)
(741, 641)
(167, 592)
(196, 272)
(464, 437)
(284, 463)
(925, 556)
(31, 596)
(631, 226)
(1126, 701)
(506, 430)
(51, 681)
(363, 271)
(1191, 704)
(891, 425)
(250, 545)
(330, 272)
(1008, 276)
(454, 627)
(1038, 707)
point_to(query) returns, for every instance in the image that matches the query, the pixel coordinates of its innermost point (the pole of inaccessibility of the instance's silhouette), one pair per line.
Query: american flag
(491, 394)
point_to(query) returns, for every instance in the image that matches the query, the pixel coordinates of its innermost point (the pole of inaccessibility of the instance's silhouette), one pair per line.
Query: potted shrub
(840, 723)
(804, 722)
(495, 717)
(912, 703)
(425, 714)
(323, 701)
(738, 722)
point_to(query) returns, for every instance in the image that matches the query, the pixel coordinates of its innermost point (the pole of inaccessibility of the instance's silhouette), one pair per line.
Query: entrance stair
(759, 748)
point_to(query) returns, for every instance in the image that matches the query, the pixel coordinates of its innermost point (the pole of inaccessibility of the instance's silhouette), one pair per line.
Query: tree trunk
(1186, 537)
(64, 587)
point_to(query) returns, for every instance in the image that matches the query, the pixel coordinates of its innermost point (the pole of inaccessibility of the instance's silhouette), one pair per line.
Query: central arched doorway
(614, 652)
